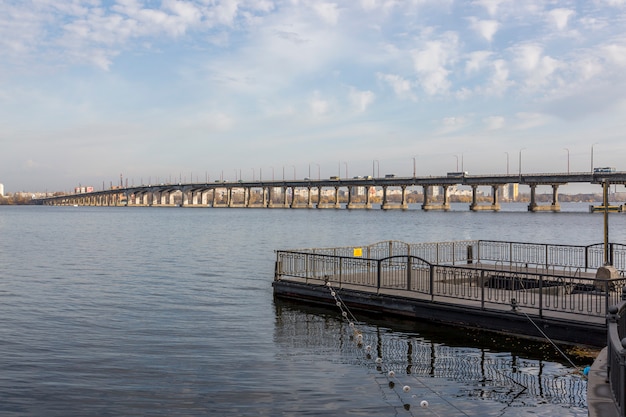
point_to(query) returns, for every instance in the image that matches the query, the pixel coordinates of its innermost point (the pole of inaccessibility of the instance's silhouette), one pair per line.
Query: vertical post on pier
(605, 203)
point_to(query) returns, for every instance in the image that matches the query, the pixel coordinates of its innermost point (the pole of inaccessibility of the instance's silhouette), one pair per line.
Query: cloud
(402, 87)
(485, 28)
(318, 106)
(560, 17)
(494, 122)
(432, 63)
(536, 68)
(328, 12)
(361, 100)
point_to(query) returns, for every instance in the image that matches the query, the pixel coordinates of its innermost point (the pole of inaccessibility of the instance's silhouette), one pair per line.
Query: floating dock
(524, 289)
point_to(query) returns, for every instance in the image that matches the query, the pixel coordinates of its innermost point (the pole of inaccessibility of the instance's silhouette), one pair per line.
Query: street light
(592, 156)
(346, 169)
(520, 161)
(507, 163)
(414, 166)
(378, 165)
(567, 159)
(457, 162)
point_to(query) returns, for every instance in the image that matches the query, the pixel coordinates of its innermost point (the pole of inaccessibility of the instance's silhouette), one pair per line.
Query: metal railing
(571, 258)
(505, 276)
(616, 353)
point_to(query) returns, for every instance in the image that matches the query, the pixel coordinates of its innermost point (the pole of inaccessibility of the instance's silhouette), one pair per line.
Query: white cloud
(485, 28)
(477, 61)
(328, 12)
(560, 17)
(494, 122)
(536, 67)
(491, 6)
(361, 100)
(432, 62)
(402, 87)
(318, 106)
(528, 120)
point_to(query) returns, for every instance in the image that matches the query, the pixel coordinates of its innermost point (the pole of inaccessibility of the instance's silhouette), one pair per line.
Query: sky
(153, 91)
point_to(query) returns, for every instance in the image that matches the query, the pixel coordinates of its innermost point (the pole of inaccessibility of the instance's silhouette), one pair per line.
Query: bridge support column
(337, 205)
(270, 197)
(349, 205)
(384, 202)
(229, 197)
(309, 201)
(404, 205)
(554, 206)
(494, 206)
(427, 205)
(319, 197)
(246, 197)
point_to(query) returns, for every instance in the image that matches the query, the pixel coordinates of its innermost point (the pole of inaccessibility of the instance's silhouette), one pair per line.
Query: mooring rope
(392, 379)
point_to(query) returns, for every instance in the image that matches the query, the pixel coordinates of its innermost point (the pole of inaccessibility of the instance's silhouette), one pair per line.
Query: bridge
(325, 193)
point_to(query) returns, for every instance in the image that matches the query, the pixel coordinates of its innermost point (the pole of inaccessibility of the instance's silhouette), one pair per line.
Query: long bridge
(325, 193)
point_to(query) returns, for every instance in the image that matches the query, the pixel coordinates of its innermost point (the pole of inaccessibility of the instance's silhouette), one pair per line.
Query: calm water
(147, 311)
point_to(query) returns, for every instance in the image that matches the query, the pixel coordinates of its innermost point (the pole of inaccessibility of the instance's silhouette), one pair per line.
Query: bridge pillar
(246, 196)
(229, 197)
(384, 202)
(427, 205)
(319, 197)
(554, 206)
(404, 205)
(349, 205)
(495, 206)
(309, 201)
(337, 205)
(270, 197)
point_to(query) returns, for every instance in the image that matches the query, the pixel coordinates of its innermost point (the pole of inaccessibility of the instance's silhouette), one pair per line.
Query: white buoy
(424, 404)
(391, 374)
(406, 388)
(379, 360)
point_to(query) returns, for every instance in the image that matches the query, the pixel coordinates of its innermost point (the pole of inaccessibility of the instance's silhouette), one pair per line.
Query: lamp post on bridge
(378, 165)
(457, 162)
(318, 170)
(567, 159)
(346, 169)
(414, 165)
(507, 163)
(592, 157)
(520, 161)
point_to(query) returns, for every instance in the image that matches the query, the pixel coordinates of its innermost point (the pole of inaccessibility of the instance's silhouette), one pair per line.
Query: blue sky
(160, 90)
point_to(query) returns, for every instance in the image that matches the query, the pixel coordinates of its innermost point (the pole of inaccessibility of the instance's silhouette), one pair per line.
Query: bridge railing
(616, 353)
(484, 285)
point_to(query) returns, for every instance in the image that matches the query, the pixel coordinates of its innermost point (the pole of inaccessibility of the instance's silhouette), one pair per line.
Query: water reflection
(454, 366)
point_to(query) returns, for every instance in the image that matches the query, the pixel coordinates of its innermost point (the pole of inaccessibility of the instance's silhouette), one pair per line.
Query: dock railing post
(408, 273)
(541, 296)
(378, 274)
(432, 281)
(482, 289)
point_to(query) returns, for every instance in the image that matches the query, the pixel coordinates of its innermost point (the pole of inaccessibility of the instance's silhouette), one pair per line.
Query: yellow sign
(358, 252)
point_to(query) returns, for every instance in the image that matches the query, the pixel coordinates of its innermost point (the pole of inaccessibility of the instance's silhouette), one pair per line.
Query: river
(169, 311)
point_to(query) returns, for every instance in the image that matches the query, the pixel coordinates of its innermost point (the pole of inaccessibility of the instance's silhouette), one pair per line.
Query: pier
(525, 289)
